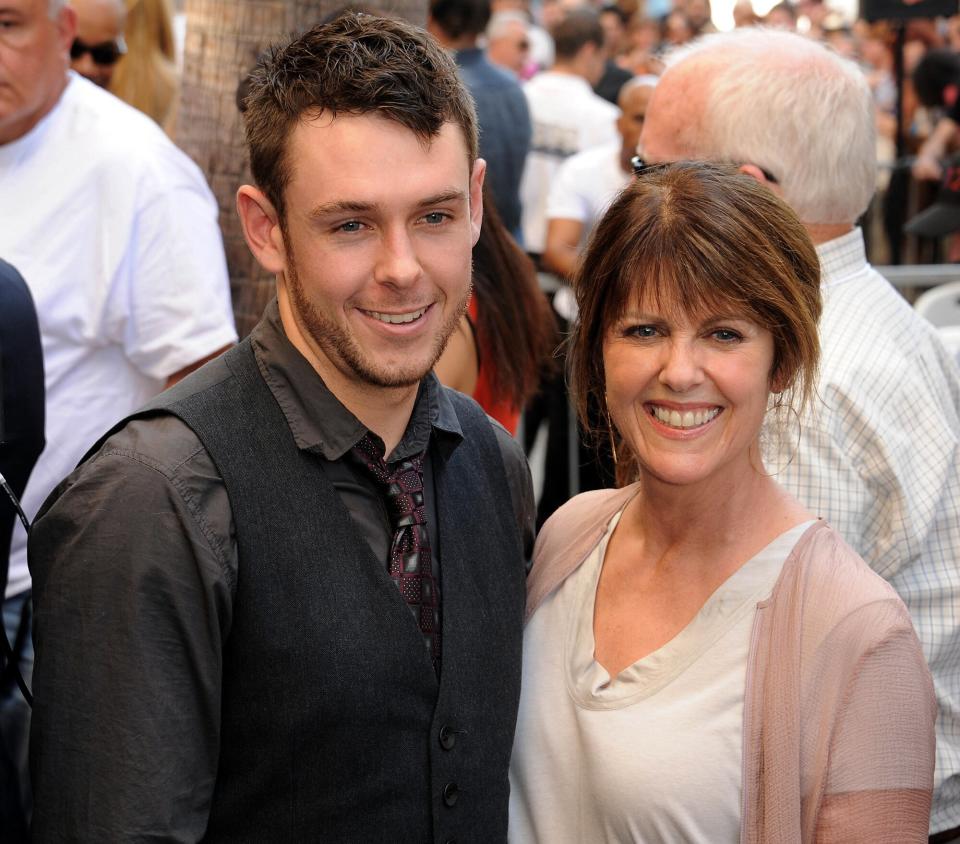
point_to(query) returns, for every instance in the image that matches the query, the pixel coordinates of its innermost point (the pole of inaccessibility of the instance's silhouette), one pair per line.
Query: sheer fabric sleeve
(881, 755)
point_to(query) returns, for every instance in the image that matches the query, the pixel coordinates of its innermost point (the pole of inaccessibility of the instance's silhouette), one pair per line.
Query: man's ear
(476, 197)
(756, 173)
(261, 229)
(66, 29)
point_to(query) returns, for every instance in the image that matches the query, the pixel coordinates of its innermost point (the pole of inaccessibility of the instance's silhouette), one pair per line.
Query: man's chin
(392, 377)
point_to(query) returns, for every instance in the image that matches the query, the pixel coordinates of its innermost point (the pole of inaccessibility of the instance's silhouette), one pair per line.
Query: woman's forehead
(694, 302)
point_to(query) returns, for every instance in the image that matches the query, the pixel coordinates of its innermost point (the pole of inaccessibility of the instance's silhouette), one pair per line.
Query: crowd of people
(611, 235)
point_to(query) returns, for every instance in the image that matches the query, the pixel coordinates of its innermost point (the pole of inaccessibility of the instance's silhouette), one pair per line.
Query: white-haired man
(117, 236)
(879, 455)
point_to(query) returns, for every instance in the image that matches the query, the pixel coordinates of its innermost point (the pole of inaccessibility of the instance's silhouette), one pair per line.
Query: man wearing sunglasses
(877, 454)
(98, 45)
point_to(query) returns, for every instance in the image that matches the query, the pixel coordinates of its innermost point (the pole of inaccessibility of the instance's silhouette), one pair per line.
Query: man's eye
(434, 218)
(351, 226)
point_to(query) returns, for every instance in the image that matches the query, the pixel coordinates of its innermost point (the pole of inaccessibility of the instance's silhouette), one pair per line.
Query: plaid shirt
(879, 458)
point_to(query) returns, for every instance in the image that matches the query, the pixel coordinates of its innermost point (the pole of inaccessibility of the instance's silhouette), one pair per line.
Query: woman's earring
(613, 440)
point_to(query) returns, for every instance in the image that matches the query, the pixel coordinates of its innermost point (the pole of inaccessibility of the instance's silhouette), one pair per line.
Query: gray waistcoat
(334, 728)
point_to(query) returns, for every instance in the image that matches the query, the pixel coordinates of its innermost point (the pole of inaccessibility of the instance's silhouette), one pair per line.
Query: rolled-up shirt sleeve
(133, 565)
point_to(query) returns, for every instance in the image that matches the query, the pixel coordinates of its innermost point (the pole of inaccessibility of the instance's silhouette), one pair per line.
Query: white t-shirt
(567, 117)
(116, 233)
(653, 755)
(585, 185)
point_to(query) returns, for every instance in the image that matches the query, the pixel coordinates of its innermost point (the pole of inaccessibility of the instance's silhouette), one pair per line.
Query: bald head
(779, 104)
(633, 100)
(99, 38)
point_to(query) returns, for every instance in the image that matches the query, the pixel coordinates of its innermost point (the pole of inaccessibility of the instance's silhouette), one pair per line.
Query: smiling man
(308, 557)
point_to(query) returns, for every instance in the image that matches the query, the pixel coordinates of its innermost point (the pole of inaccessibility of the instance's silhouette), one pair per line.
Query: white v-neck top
(653, 754)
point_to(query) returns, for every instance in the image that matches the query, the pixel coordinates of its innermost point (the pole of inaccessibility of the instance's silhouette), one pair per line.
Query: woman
(146, 76)
(504, 342)
(704, 660)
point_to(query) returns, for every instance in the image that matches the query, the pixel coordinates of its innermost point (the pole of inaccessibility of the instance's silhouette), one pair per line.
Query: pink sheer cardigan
(838, 736)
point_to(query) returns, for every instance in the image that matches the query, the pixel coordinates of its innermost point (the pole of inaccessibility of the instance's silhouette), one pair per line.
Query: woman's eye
(641, 331)
(726, 335)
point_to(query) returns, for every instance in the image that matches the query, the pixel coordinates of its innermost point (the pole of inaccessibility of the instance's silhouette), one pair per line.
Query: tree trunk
(224, 38)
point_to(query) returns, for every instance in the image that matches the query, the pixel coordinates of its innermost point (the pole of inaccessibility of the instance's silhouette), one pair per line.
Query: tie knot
(402, 481)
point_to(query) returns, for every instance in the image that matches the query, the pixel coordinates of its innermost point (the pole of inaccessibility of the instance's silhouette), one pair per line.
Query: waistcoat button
(448, 737)
(451, 793)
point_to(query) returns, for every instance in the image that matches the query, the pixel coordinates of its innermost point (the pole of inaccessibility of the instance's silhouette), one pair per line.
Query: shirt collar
(469, 56)
(842, 258)
(317, 418)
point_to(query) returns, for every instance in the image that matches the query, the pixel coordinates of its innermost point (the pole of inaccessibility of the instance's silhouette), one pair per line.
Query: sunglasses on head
(107, 53)
(640, 167)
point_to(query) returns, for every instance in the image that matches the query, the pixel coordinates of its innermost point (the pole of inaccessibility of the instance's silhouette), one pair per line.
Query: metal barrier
(920, 275)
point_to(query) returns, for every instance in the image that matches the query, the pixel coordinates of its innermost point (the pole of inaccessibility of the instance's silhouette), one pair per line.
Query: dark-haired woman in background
(705, 660)
(505, 340)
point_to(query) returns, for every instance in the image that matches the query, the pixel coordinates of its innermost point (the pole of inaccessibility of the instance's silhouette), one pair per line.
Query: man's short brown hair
(355, 64)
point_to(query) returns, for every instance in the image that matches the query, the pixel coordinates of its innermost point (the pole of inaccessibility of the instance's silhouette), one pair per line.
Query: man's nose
(397, 263)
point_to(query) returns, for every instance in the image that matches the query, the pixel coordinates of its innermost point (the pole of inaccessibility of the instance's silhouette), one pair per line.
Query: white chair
(941, 304)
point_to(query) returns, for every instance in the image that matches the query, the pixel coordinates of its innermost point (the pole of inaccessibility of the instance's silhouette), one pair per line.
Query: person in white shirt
(878, 455)
(117, 236)
(567, 116)
(590, 180)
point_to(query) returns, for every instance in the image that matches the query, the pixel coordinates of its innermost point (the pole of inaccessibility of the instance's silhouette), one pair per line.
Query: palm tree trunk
(224, 38)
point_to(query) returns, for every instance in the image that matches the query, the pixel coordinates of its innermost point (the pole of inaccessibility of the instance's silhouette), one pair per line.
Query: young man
(796, 116)
(307, 559)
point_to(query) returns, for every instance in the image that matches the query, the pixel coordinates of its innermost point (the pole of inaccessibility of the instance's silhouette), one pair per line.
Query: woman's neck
(736, 510)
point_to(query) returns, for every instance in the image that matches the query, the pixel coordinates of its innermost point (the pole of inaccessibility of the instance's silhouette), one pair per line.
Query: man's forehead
(101, 19)
(371, 160)
(24, 6)
(675, 107)
(635, 97)
(311, 126)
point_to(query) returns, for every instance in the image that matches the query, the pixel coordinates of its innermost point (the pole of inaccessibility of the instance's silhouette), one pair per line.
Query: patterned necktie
(410, 561)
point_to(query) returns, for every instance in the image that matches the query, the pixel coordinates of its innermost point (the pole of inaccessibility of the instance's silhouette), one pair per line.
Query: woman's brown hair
(698, 238)
(516, 332)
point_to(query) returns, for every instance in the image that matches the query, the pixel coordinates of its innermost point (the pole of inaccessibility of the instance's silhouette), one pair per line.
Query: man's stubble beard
(342, 350)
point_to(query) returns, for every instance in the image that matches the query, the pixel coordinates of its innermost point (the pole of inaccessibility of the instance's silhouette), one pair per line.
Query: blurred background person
(99, 44)
(589, 181)
(146, 77)
(614, 22)
(704, 658)
(505, 341)
(567, 115)
(502, 111)
(936, 81)
(507, 42)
